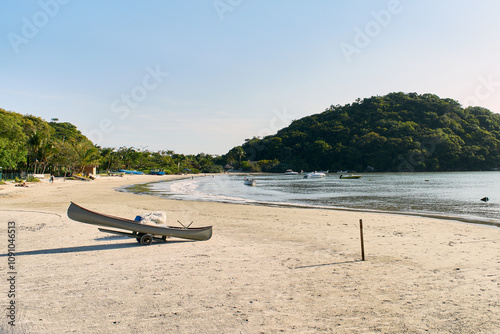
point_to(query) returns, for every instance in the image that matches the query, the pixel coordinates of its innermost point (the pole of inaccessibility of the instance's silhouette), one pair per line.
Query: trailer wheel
(146, 239)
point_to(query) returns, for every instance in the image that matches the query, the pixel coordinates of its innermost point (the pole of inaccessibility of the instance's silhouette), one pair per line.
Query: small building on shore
(90, 170)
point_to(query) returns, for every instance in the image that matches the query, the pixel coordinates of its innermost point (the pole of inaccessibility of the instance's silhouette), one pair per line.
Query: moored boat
(314, 175)
(349, 176)
(290, 172)
(132, 172)
(249, 182)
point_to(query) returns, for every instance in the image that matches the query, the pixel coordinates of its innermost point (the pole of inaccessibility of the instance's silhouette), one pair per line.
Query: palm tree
(88, 154)
(239, 152)
(47, 152)
(75, 156)
(107, 157)
(236, 152)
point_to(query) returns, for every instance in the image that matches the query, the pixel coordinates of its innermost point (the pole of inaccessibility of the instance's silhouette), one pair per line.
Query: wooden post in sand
(362, 241)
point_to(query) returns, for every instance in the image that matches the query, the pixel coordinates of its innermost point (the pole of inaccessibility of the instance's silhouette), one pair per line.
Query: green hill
(395, 132)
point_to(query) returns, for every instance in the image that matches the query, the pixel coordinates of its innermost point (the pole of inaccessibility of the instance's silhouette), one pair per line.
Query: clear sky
(203, 75)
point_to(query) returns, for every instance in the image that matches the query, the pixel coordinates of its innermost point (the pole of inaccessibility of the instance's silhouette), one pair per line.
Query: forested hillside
(395, 132)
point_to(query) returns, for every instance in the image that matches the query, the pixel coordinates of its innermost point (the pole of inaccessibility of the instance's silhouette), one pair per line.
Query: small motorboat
(349, 176)
(291, 172)
(314, 175)
(132, 172)
(249, 182)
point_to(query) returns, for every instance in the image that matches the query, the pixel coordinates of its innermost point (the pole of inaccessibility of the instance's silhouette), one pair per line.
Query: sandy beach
(265, 269)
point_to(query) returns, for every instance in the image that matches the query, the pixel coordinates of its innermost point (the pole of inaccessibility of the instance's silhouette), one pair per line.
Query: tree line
(395, 132)
(29, 143)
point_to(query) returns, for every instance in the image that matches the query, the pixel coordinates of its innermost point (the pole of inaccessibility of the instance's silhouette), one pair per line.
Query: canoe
(138, 230)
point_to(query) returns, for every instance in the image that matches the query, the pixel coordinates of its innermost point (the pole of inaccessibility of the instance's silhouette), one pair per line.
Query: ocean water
(455, 195)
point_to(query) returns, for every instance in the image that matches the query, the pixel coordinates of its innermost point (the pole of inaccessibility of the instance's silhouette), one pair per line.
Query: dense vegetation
(29, 143)
(396, 132)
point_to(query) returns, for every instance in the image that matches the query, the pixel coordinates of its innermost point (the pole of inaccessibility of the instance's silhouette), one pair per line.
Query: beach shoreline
(483, 221)
(266, 269)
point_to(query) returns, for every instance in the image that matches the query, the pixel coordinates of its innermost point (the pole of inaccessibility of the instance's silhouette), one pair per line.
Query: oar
(186, 227)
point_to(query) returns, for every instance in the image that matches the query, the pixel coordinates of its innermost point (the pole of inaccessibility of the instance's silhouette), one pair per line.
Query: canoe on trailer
(145, 234)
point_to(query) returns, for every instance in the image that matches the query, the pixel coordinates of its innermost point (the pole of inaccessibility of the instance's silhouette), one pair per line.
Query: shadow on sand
(90, 248)
(327, 264)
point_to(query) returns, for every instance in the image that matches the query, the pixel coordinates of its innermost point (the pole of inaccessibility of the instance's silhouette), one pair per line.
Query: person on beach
(51, 178)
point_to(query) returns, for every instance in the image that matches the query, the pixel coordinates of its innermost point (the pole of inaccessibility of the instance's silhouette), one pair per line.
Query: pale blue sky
(204, 75)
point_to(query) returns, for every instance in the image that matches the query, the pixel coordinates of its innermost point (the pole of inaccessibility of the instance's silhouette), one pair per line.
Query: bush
(213, 169)
(268, 166)
(245, 166)
(32, 179)
(255, 168)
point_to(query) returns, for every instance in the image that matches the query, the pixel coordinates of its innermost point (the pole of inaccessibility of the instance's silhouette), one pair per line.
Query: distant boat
(249, 182)
(134, 172)
(342, 172)
(323, 171)
(291, 172)
(350, 177)
(157, 172)
(314, 175)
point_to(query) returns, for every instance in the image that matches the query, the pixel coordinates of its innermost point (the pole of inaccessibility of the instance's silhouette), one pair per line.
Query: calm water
(455, 194)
